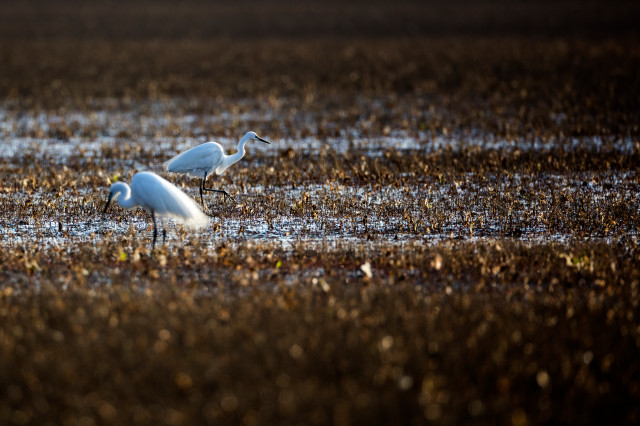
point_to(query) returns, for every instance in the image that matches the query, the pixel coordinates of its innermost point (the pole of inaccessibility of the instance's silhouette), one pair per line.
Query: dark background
(505, 68)
(286, 18)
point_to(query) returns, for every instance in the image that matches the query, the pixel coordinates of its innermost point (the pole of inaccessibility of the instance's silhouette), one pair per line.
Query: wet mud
(444, 229)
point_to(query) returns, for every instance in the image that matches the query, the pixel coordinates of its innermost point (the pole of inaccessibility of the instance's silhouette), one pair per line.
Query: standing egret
(159, 197)
(202, 160)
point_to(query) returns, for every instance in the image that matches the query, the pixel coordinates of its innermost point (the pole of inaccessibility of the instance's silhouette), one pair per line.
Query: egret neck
(229, 160)
(125, 199)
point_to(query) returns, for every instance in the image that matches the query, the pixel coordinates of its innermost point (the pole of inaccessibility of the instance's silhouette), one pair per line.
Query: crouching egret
(202, 160)
(160, 198)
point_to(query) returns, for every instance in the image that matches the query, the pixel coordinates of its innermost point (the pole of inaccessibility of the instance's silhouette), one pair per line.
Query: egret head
(254, 136)
(114, 191)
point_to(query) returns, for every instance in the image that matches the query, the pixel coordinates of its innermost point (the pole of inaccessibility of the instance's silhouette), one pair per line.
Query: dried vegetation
(445, 230)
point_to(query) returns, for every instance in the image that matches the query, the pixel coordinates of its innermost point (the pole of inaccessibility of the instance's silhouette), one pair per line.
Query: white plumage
(206, 159)
(160, 198)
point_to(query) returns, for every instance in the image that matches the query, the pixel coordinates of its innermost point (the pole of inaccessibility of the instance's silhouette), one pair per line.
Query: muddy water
(468, 206)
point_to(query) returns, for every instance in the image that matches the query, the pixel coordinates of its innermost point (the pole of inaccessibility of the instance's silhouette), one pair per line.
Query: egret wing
(164, 199)
(197, 160)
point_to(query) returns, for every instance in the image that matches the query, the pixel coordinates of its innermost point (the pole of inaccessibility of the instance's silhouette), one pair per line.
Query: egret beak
(262, 140)
(108, 202)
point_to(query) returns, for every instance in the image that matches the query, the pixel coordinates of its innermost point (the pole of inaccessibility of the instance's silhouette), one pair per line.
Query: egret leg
(201, 199)
(155, 231)
(226, 194)
(164, 235)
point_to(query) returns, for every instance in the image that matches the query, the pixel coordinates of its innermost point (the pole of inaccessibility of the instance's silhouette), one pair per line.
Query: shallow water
(470, 207)
(320, 214)
(157, 126)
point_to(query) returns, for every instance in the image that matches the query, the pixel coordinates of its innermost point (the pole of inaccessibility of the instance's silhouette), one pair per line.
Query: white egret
(160, 198)
(205, 159)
